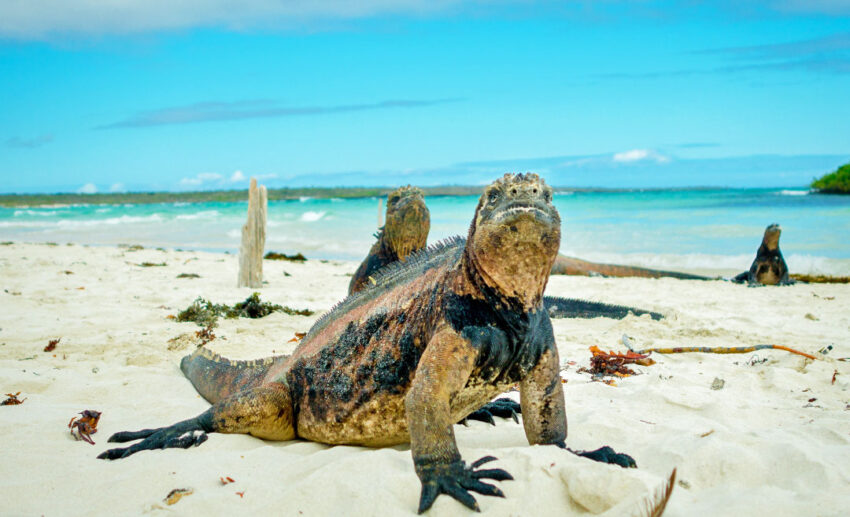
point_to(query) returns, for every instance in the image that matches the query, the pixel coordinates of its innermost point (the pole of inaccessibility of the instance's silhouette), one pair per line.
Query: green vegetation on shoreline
(275, 194)
(837, 182)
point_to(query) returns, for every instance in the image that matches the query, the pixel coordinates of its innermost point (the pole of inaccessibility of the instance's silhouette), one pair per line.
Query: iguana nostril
(534, 191)
(513, 191)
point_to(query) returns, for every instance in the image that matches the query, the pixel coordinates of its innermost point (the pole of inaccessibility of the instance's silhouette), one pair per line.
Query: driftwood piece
(253, 238)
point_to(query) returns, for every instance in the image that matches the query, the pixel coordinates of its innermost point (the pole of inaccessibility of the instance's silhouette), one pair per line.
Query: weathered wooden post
(253, 238)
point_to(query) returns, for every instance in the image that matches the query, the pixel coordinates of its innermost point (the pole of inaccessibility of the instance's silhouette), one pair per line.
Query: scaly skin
(572, 266)
(434, 339)
(769, 267)
(405, 231)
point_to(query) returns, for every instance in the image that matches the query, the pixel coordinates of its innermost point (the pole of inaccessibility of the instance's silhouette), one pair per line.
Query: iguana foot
(501, 407)
(456, 479)
(180, 435)
(605, 455)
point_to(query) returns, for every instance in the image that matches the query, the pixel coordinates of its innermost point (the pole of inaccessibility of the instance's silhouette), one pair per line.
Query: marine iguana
(768, 268)
(402, 361)
(405, 231)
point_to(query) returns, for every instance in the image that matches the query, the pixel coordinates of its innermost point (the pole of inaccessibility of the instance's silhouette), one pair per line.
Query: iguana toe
(457, 480)
(608, 455)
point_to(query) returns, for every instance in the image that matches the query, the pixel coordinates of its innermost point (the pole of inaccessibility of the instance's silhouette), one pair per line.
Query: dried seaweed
(204, 335)
(188, 275)
(298, 257)
(655, 506)
(201, 311)
(12, 400)
(205, 313)
(51, 345)
(613, 363)
(176, 494)
(153, 264)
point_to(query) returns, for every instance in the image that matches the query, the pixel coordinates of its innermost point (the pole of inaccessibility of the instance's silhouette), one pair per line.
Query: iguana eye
(547, 196)
(493, 196)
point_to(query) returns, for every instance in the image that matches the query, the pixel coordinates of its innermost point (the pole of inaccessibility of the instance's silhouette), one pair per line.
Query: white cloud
(237, 177)
(638, 155)
(203, 178)
(117, 187)
(40, 19)
(88, 188)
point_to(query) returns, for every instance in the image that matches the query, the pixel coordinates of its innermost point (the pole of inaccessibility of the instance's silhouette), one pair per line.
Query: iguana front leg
(544, 416)
(442, 372)
(264, 412)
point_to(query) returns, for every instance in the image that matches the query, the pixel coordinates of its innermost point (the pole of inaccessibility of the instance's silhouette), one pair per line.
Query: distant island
(837, 182)
(274, 194)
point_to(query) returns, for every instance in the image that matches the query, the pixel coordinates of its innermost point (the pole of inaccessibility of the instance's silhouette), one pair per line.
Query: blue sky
(149, 96)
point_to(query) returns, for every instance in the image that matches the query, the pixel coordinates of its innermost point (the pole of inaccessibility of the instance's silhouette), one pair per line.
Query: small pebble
(717, 383)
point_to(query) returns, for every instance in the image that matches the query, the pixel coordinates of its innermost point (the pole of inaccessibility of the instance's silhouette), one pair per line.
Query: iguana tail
(572, 266)
(216, 377)
(572, 308)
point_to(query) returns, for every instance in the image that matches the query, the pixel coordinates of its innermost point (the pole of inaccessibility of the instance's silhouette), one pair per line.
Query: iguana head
(515, 236)
(771, 236)
(407, 223)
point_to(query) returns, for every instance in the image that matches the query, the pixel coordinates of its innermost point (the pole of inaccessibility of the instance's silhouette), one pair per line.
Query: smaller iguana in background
(769, 267)
(405, 231)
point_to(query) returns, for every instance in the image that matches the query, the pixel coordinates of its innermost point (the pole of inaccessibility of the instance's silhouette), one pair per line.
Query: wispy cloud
(219, 111)
(785, 50)
(216, 180)
(28, 143)
(827, 55)
(41, 19)
(832, 7)
(46, 19)
(640, 155)
(88, 188)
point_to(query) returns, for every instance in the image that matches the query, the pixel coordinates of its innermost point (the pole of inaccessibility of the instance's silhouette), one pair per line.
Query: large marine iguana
(768, 268)
(405, 359)
(405, 231)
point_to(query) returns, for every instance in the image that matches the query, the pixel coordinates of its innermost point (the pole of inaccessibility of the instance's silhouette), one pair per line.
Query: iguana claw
(456, 479)
(501, 407)
(181, 435)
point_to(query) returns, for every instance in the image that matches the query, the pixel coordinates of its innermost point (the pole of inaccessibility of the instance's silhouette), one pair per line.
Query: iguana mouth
(516, 210)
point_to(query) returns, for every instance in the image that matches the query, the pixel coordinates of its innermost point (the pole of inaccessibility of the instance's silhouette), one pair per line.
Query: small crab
(85, 426)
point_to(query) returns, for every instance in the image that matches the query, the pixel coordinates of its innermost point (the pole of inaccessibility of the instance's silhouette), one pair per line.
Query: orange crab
(85, 426)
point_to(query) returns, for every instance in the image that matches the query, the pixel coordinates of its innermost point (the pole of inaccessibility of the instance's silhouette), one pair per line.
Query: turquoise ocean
(695, 230)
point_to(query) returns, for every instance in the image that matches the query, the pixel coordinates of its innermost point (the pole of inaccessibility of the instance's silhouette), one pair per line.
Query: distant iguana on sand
(768, 268)
(405, 231)
(404, 360)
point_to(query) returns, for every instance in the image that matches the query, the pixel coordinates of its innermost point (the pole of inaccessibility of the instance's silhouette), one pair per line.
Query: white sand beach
(775, 440)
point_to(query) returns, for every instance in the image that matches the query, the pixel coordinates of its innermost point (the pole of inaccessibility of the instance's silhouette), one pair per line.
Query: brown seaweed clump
(13, 399)
(298, 257)
(205, 313)
(612, 363)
